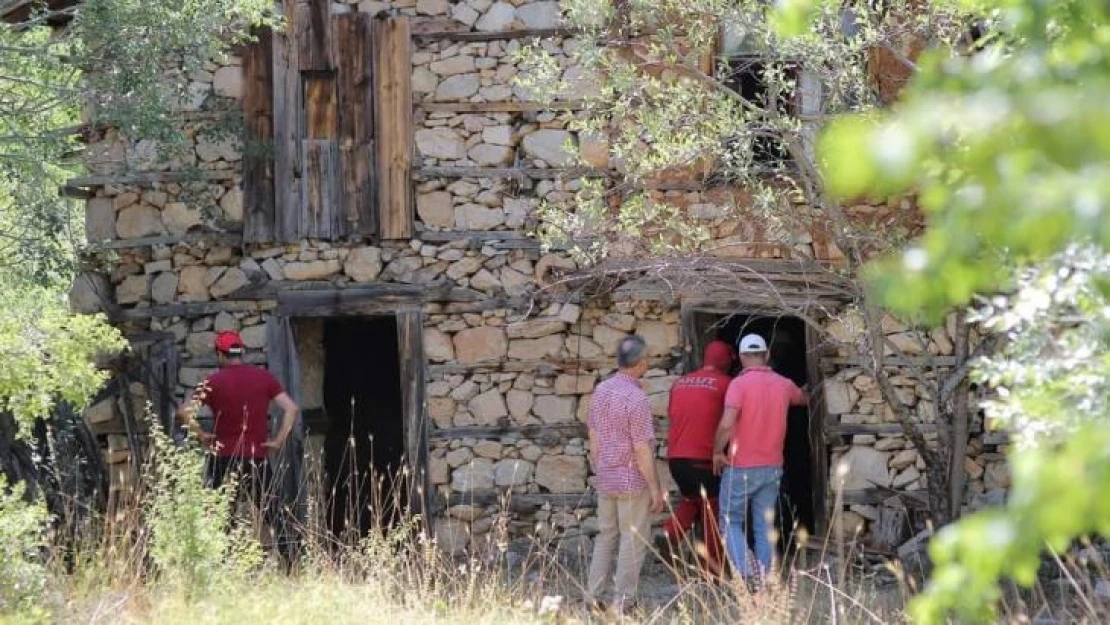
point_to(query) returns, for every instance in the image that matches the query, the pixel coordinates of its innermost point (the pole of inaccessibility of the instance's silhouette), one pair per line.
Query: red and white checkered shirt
(620, 417)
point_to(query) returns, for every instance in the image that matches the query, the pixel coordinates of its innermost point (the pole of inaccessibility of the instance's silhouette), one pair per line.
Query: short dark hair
(631, 351)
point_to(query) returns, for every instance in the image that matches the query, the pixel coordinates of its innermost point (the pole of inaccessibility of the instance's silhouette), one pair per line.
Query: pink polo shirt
(762, 398)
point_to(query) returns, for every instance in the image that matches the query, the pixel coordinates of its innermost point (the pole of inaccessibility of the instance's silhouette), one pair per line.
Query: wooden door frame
(819, 452)
(405, 304)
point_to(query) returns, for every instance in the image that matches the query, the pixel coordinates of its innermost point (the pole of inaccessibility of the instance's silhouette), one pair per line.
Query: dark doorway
(365, 444)
(786, 340)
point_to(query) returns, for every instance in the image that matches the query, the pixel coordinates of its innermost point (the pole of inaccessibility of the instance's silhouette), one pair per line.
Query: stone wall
(511, 356)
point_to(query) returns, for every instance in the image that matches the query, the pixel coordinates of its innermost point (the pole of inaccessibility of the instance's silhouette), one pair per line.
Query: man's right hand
(720, 461)
(658, 502)
(207, 439)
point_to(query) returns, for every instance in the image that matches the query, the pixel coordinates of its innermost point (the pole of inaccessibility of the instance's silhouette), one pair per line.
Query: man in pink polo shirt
(754, 429)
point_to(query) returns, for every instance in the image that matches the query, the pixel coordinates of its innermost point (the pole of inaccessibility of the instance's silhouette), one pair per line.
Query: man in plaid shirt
(622, 450)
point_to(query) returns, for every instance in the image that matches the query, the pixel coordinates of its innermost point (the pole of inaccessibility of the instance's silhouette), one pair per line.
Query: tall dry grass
(397, 574)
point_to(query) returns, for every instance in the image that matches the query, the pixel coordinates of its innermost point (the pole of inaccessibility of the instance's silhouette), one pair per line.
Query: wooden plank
(819, 451)
(287, 107)
(454, 34)
(393, 118)
(876, 496)
(310, 30)
(353, 53)
(532, 431)
(520, 502)
(321, 113)
(258, 161)
(472, 235)
(893, 361)
(877, 429)
(188, 309)
(209, 238)
(515, 173)
(500, 107)
(320, 196)
(287, 462)
(410, 342)
(548, 366)
(151, 178)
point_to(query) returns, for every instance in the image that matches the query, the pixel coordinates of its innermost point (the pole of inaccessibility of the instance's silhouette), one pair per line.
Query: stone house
(367, 235)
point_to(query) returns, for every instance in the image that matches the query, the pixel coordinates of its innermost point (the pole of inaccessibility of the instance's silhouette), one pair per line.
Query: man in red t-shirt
(754, 428)
(696, 403)
(239, 396)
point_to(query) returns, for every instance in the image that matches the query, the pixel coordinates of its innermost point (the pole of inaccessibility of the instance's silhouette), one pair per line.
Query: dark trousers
(699, 488)
(256, 482)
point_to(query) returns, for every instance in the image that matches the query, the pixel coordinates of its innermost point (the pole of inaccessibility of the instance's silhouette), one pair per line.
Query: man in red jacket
(696, 404)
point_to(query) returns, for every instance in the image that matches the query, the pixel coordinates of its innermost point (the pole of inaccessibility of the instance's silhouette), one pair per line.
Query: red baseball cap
(229, 342)
(718, 354)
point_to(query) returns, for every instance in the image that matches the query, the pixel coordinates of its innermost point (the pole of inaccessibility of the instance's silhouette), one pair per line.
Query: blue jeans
(760, 486)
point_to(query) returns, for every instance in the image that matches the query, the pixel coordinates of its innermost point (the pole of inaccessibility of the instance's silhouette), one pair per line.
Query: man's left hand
(275, 443)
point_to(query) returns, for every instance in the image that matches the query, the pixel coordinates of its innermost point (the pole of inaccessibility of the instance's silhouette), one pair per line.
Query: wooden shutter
(287, 113)
(258, 140)
(393, 119)
(353, 55)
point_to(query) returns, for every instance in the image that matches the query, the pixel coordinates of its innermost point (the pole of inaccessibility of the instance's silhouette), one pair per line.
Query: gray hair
(631, 351)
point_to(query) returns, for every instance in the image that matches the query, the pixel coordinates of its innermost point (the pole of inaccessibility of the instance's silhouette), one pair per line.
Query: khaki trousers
(624, 521)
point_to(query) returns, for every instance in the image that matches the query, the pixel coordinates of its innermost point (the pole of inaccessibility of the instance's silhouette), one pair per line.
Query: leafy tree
(121, 64)
(1009, 150)
(674, 113)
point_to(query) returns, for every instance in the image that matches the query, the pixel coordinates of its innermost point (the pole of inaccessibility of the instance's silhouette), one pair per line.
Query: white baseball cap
(752, 343)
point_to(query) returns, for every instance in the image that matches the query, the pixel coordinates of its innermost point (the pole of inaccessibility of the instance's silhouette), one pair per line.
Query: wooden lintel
(216, 238)
(516, 173)
(499, 107)
(562, 430)
(373, 300)
(153, 177)
(452, 33)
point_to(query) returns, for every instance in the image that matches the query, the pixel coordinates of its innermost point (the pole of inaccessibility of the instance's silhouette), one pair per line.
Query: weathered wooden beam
(433, 236)
(216, 238)
(893, 361)
(428, 31)
(833, 431)
(539, 430)
(997, 438)
(521, 502)
(190, 309)
(499, 107)
(876, 496)
(547, 366)
(140, 179)
(208, 361)
(516, 173)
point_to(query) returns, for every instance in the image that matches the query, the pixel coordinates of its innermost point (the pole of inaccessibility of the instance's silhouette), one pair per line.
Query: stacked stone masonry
(523, 357)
